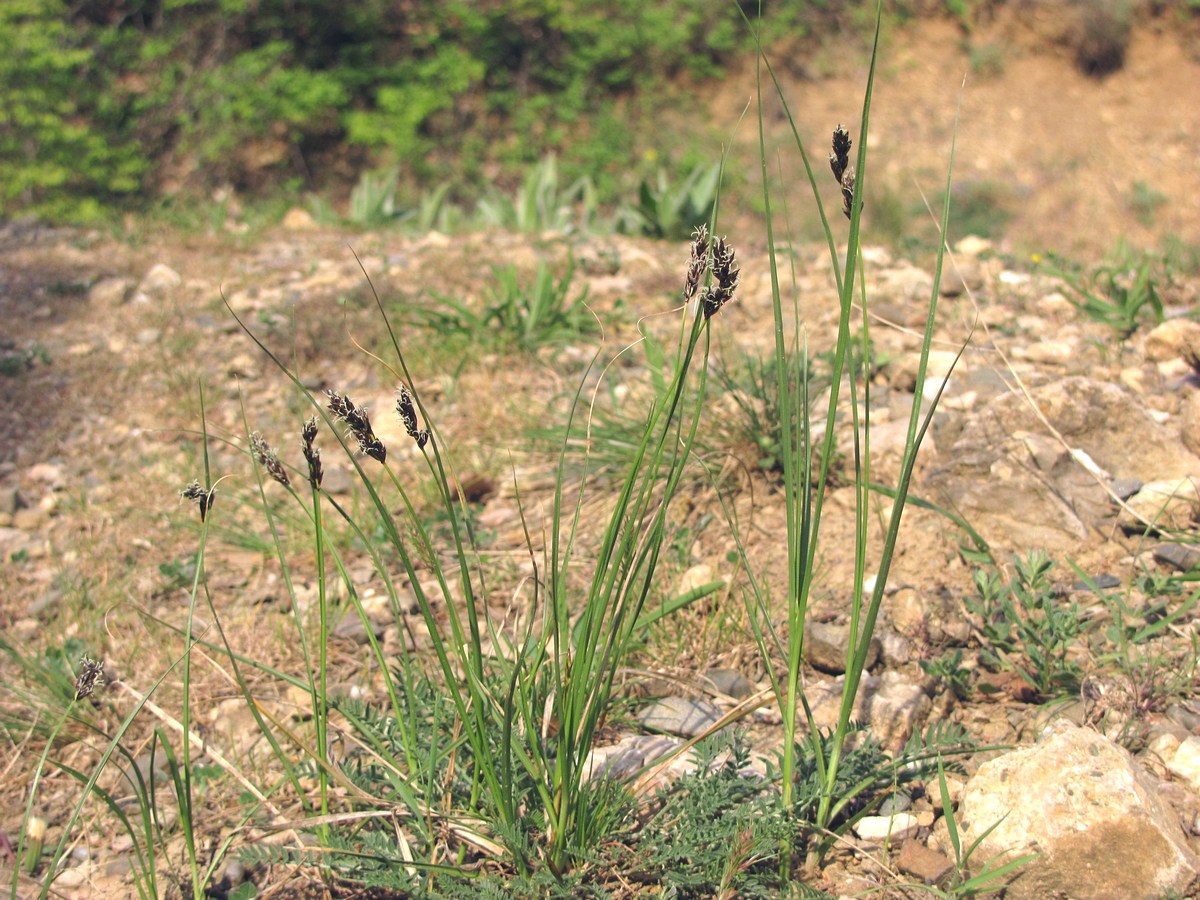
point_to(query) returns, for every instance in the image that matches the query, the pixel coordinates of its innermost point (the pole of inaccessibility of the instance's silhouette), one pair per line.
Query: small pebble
(877, 829)
(895, 803)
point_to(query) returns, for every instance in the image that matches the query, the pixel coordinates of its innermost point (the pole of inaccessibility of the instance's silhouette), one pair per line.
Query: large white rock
(1093, 816)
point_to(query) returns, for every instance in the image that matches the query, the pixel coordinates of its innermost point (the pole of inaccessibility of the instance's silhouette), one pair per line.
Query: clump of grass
(518, 314)
(805, 466)
(473, 758)
(1123, 293)
(541, 203)
(517, 725)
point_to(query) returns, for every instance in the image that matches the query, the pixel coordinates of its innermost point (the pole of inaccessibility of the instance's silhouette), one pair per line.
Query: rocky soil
(1052, 434)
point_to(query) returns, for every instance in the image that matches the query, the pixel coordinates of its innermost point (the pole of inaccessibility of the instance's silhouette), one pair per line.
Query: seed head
(698, 264)
(839, 159)
(406, 409)
(90, 677)
(198, 495)
(268, 458)
(725, 278)
(359, 423)
(311, 454)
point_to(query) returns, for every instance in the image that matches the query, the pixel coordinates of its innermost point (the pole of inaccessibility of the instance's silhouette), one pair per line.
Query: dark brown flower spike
(839, 159)
(198, 495)
(268, 459)
(698, 264)
(311, 454)
(406, 409)
(90, 677)
(359, 423)
(725, 278)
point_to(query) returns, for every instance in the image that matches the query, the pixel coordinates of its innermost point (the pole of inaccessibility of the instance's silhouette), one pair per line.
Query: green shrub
(110, 103)
(64, 148)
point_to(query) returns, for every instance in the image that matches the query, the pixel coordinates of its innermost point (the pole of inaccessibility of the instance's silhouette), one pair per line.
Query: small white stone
(973, 245)
(159, 279)
(1014, 278)
(878, 829)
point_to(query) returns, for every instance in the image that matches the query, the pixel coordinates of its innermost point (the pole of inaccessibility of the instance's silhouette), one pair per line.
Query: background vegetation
(123, 104)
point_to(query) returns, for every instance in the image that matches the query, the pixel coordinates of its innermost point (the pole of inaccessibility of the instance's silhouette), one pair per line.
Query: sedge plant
(806, 474)
(487, 727)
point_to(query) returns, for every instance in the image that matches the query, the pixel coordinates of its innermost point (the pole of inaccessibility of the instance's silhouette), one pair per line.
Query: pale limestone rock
(1173, 339)
(1090, 812)
(1168, 504)
(297, 219)
(891, 704)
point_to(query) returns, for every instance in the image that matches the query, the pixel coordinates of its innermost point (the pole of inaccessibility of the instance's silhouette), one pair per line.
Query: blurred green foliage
(119, 104)
(111, 102)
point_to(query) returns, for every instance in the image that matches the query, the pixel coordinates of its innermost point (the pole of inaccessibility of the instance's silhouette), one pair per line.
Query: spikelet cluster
(203, 499)
(843, 172)
(717, 254)
(268, 459)
(359, 423)
(406, 409)
(311, 454)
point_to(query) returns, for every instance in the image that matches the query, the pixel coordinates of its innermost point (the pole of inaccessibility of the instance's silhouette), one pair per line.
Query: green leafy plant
(1027, 627)
(670, 210)
(803, 466)
(373, 200)
(948, 669)
(1138, 642)
(517, 315)
(14, 362)
(718, 830)
(64, 150)
(541, 204)
(1121, 294)
(1146, 202)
